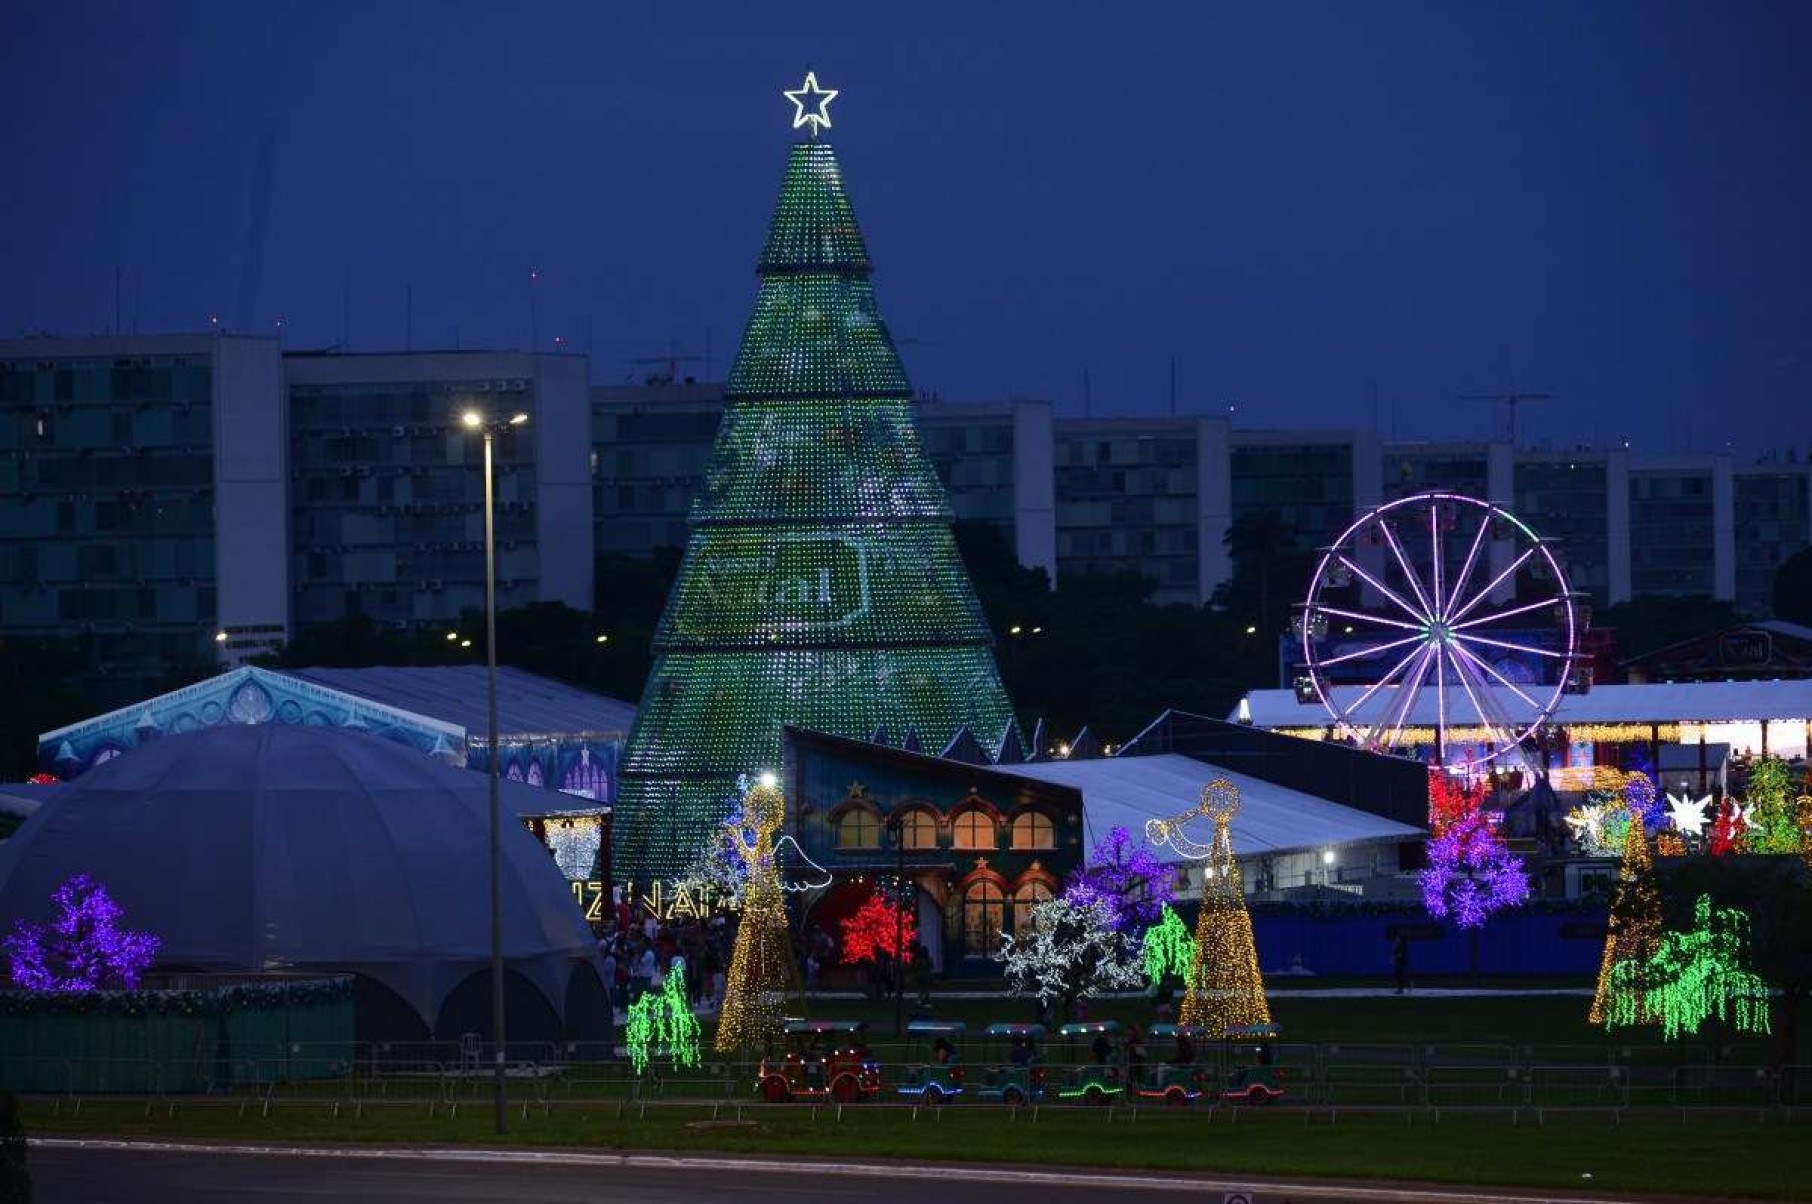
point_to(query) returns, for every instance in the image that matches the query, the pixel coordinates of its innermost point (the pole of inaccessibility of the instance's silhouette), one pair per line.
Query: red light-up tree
(878, 929)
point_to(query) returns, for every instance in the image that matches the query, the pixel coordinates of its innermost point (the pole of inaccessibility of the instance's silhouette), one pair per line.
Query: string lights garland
(763, 974)
(1223, 988)
(662, 1021)
(1633, 934)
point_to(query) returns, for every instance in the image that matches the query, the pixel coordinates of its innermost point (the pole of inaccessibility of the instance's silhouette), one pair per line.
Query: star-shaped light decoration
(1688, 816)
(811, 96)
(1587, 823)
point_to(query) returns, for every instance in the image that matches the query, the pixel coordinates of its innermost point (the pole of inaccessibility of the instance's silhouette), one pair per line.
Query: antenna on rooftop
(1510, 400)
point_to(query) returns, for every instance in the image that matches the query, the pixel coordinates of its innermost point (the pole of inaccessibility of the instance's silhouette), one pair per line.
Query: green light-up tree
(821, 585)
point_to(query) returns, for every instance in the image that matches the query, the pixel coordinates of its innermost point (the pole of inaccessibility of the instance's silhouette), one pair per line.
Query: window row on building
(1157, 495)
(975, 827)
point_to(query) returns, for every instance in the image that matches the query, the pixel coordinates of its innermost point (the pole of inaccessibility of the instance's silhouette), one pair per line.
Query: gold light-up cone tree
(1634, 931)
(1224, 988)
(762, 972)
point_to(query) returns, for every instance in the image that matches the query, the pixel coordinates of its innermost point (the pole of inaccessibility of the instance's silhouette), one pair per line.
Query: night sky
(1327, 213)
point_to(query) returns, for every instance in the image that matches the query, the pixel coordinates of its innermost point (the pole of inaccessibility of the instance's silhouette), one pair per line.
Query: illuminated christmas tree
(763, 974)
(1695, 975)
(1633, 935)
(1772, 814)
(1471, 872)
(662, 1021)
(878, 929)
(1223, 988)
(1167, 951)
(84, 949)
(821, 586)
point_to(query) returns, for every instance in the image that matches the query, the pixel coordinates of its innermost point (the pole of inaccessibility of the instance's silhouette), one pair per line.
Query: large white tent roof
(248, 848)
(526, 702)
(1658, 702)
(1272, 819)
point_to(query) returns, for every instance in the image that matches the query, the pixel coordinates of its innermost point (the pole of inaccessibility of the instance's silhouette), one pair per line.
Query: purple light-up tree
(1125, 876)
(84, 949)
(1470, 872)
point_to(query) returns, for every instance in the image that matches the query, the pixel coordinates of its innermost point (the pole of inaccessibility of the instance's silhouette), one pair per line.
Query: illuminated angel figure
(762, 973)
(798, 872)
(1223, 989)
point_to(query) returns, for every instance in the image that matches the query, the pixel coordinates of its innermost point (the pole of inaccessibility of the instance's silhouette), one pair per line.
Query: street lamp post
(896, 826)
(474, 420)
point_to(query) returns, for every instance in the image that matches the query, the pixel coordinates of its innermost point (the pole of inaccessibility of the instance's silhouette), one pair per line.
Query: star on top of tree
(811, 96)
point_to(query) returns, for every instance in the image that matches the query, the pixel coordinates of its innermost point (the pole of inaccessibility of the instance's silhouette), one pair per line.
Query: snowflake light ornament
(1688, 816)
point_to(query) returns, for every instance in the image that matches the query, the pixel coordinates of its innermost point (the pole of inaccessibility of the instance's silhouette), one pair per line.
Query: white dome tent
(248, 849)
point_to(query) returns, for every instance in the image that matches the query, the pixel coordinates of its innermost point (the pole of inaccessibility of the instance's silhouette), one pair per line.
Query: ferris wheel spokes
(1472, 554)
(1390, 537)
(1488, 667)
(1437, 629)
(1382, 682)
(1505, 644)
(1504, 614)
(1386, 590)
(1398, 703)
(1496, 581)
(1360, 616)
(1434, 547)
(1372, 651)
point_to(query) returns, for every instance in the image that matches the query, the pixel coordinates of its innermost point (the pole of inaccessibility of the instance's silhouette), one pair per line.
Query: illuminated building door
(984, 914)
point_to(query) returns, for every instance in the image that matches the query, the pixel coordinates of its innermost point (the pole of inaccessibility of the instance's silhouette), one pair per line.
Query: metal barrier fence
(1363, 1076)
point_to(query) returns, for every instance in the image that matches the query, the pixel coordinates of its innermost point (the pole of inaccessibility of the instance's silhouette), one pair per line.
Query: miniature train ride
(823, 1060)
(1101, 1063)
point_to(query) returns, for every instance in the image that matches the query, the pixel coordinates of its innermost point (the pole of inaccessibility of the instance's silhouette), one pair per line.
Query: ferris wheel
(1439, 621)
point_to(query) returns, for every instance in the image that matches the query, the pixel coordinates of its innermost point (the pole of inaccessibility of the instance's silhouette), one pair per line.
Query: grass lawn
(1750, 1153)
(1726, 1156)
(1543, 1021)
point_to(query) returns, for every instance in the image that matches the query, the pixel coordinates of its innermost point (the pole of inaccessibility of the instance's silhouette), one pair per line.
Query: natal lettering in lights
(664, 901)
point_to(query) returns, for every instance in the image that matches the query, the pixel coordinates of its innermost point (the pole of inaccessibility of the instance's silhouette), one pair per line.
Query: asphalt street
(99, 1174)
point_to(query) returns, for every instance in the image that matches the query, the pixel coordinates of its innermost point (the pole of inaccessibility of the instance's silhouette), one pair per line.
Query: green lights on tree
(1693, 976)
(1168, 951)
(662, 1021)
(821, 586)
(1772, 814)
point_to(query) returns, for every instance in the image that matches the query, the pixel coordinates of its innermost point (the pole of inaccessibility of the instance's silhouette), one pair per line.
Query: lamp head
(472, 418)
(518, 419)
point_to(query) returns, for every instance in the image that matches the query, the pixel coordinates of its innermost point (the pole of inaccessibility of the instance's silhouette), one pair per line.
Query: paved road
(100, 1173)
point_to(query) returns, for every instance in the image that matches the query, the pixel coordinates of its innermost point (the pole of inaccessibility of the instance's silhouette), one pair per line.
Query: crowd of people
(639, 951)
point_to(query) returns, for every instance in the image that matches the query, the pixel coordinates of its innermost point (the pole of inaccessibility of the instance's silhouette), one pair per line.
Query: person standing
(1399, 960)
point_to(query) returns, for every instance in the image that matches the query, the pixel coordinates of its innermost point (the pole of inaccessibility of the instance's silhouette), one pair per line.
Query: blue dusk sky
(1325, 213)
